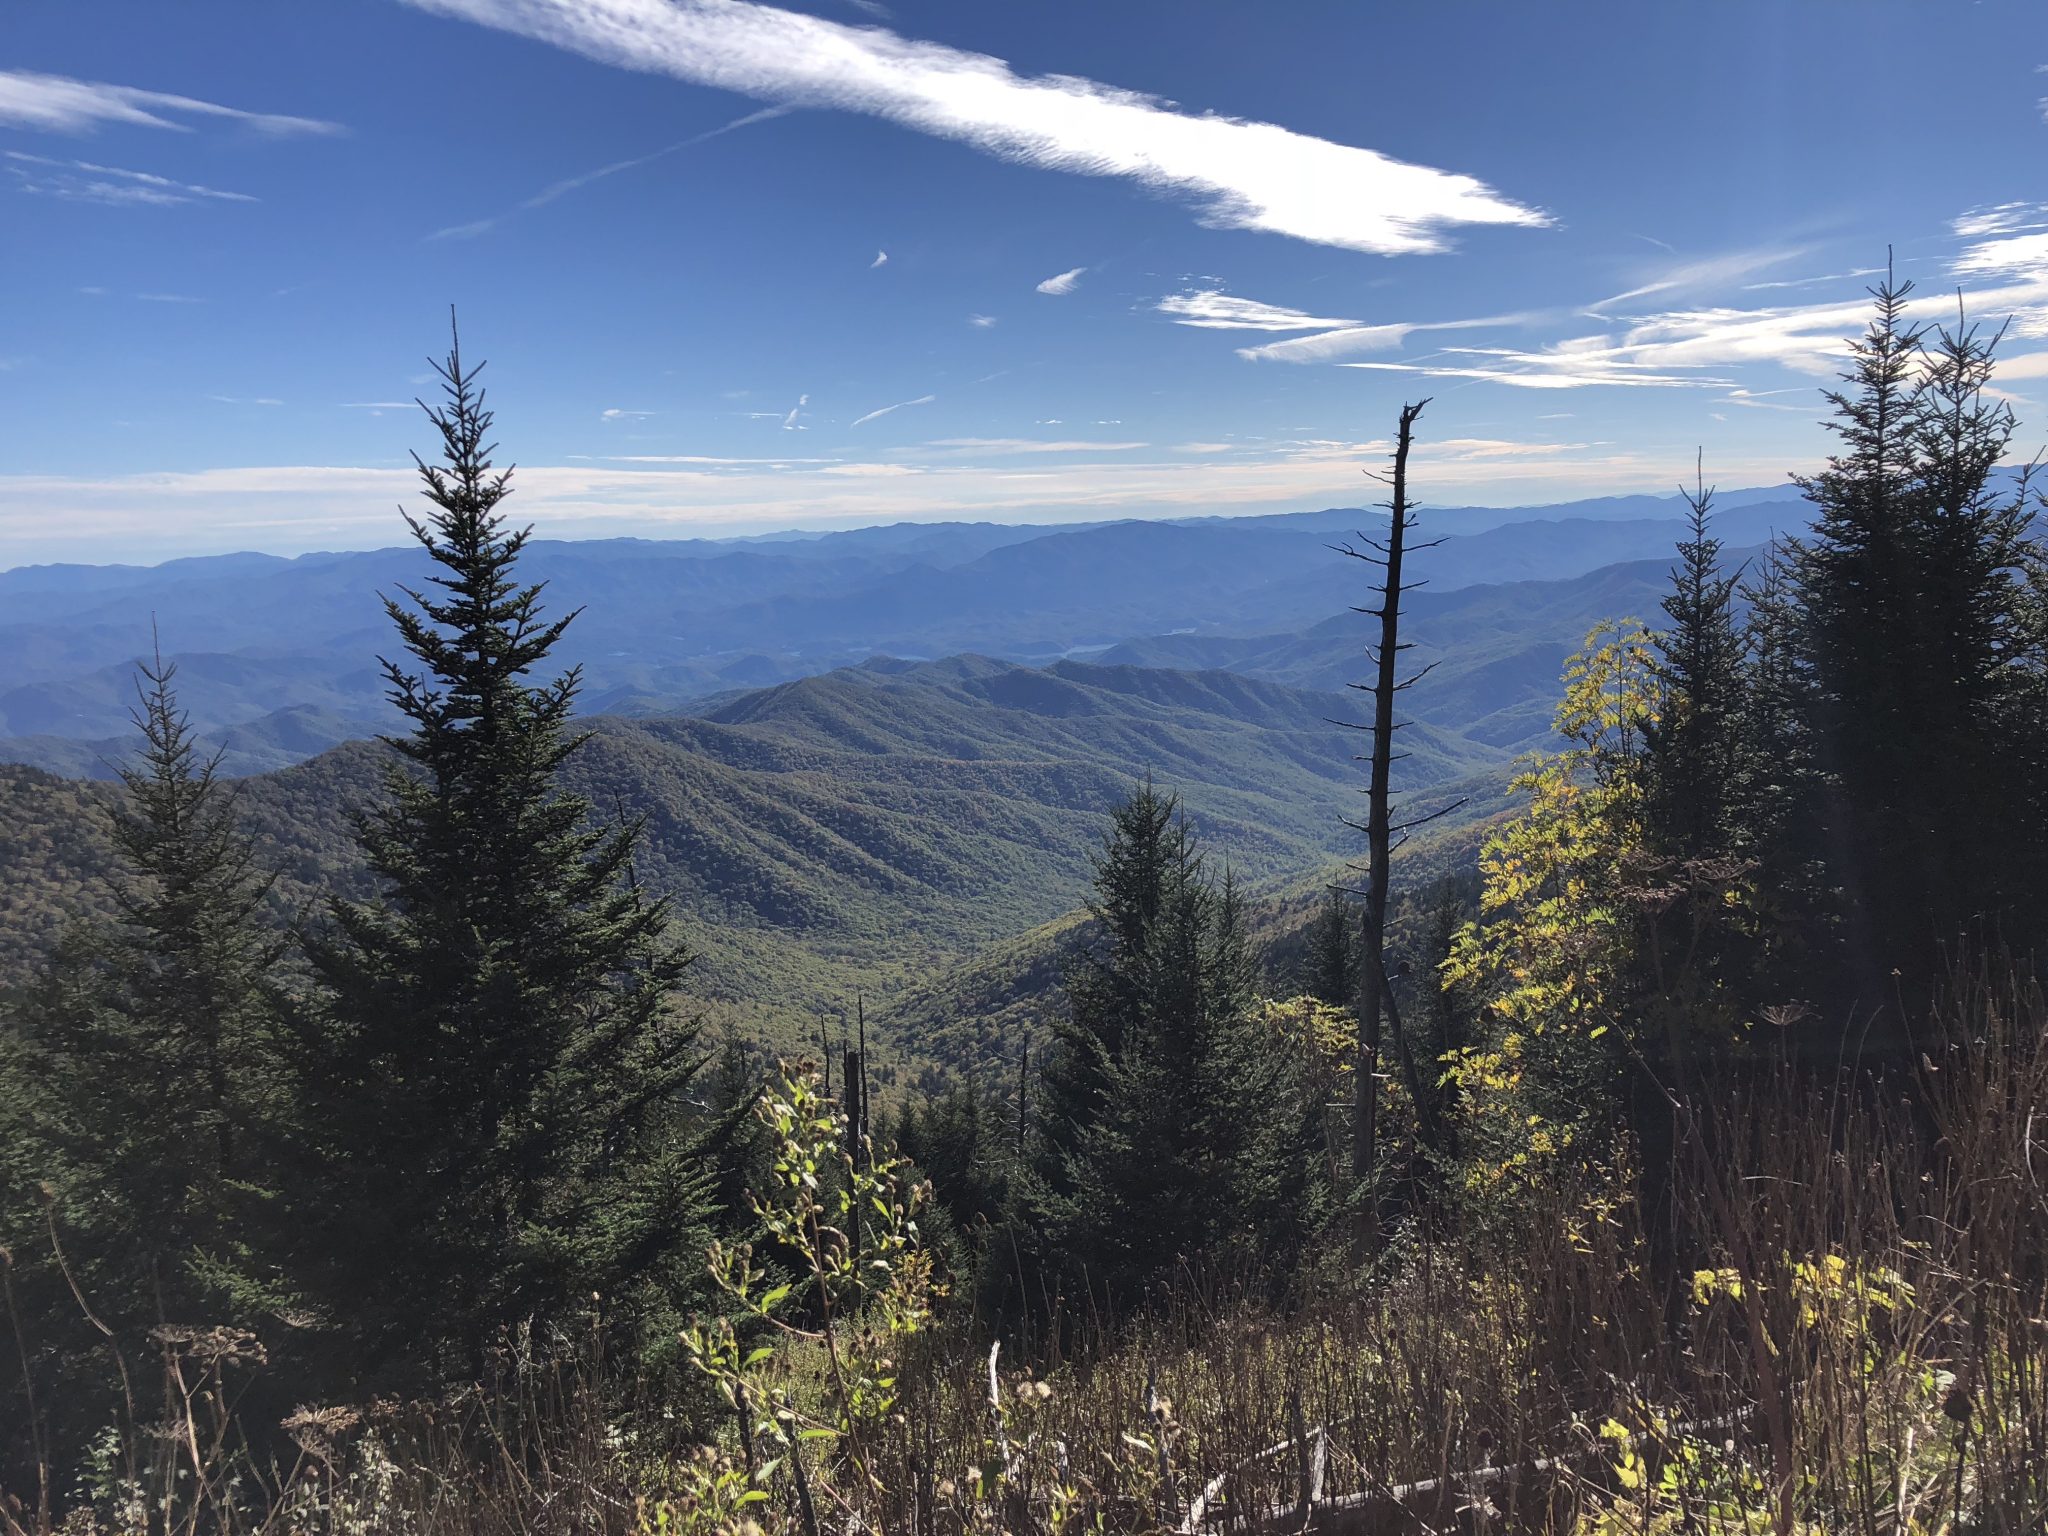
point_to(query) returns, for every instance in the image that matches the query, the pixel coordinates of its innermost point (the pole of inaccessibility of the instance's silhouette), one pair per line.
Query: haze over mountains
(869, 762)
(277, 657)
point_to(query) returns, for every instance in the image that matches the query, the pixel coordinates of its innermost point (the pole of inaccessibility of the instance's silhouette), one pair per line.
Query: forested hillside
(846, 832)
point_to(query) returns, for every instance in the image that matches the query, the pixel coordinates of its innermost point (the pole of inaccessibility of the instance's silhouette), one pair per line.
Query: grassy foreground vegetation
(1860, 1349)
(1694, 1181)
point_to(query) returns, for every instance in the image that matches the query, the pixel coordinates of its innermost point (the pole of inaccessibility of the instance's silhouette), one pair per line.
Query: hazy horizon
(395, 538)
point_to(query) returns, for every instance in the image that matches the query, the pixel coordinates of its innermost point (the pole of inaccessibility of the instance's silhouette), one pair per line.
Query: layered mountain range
(278, 657)
(833, 816)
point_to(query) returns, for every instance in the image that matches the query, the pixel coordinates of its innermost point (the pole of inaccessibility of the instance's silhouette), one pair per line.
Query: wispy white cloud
(109, 193)
(1329, 346)
(1463, 449)
(59, 104)
(1240, 174)
(1760, 400)
(2011, 255)
(2024, 365)
(1696, 348)
(1711, 346)
(244, 400)
(170, 298)
(1813, 282)
(898, 406)
(1029, 445)
(1540, 378)
(981, 322)
(1212, 309)
(881, 260)
(87, 182)
(789, 422)
(2000, 219)
(1351, 340)
(693, 458)
(568, 184)
(1704, 273)
(1062, 282)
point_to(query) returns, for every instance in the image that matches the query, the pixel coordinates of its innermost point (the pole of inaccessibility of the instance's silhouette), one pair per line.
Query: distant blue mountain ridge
(277, 656)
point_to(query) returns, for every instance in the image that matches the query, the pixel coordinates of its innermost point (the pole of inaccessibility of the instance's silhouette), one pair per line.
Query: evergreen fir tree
(1693, 881)
(736, 1142)
(1854, 581)
(1778, 786)
(1329, 963)
(1984, 648)
(1691, 748)
(1444, 1019)
(494, 1074)
(958, 1142)
(1163, 1142)
(1108, 984)
(151, 1035)
(137, 1074)
(1271, 1124)
(1914, 633)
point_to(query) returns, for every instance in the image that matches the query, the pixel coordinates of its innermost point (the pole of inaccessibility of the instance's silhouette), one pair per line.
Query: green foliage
(58, 862)
(135, 1078)
(1922, 655)
(489, 1081)
(1552, 956)
(1330, 958)
(1168, 1134)
(1692, 769)
(847, 1220)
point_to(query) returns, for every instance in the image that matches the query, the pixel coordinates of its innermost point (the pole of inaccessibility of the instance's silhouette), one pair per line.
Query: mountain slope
(1496, 650)
(854, 831)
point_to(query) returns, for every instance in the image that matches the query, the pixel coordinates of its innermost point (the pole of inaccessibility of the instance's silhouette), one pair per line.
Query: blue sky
(741, 267)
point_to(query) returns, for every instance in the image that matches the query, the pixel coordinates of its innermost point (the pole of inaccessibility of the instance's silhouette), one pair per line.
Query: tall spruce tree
(135, 1075)
(1691, 750)
(151, 1035)
(1164, 1142)
(1984, 646)
(1855, 582)
(1914, 631)
(493, 1077)
(1330, 953)
(1693, 881)
(1778, 788)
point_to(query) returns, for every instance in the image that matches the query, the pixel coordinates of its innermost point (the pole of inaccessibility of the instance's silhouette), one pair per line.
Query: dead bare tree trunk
(1375, 995)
